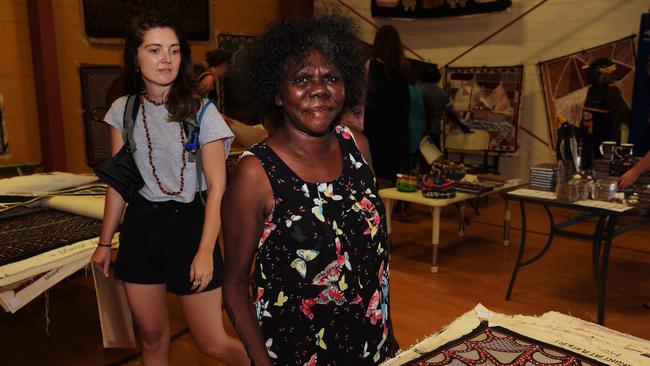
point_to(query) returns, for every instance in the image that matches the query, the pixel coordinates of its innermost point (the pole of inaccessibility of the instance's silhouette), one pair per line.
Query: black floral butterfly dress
(320, 285)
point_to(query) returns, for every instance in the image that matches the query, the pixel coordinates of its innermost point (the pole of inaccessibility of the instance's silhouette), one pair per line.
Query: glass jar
(578, 188)
(605, 189)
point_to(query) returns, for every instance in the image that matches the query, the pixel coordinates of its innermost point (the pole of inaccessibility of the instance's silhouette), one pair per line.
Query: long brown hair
(389, 49)
(183, 100)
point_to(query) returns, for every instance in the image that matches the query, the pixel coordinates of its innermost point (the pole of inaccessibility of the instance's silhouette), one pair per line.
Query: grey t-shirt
(167, 148)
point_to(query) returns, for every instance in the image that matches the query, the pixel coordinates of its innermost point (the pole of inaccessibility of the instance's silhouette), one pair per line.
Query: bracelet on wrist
(104, 245)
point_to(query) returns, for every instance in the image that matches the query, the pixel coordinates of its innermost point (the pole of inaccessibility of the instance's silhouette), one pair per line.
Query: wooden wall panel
(46, 80)
(17, 84)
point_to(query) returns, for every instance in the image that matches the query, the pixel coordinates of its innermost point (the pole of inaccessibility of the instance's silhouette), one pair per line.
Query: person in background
(353, 118)
(605, 114)
(386, 116)
(303, 206)
(218, 62)
(417, 123)
(436, 102)
(168, 239)
(635, 172)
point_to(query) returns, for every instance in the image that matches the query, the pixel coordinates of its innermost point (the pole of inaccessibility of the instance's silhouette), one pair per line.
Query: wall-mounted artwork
(233, 42)
(106, 21)
(487, 98)
(435, 8)
(100, 86)
(565, 80)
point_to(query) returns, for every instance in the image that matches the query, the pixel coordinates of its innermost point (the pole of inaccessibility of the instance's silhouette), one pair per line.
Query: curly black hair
(259, 67)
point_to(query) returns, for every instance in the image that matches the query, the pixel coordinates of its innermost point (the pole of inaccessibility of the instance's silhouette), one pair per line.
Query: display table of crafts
(391, 195)
(49, 224)
(483, 337)
(605, 229)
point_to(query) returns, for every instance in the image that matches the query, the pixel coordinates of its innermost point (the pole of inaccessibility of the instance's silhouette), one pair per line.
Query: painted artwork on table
(499, 346)
(565, 82)
(435, 8)
(487, 98)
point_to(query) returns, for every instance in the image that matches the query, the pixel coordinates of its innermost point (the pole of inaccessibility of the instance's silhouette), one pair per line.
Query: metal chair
(476, 143)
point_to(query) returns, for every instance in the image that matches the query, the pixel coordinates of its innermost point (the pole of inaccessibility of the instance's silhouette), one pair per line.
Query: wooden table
(390, 195)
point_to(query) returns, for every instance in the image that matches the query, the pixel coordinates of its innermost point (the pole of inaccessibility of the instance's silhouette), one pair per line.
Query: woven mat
(24, 236)
(487, 345)
(483, 337)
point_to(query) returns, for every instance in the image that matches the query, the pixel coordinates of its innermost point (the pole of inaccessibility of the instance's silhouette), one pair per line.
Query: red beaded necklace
(153, 167)
(157, 104)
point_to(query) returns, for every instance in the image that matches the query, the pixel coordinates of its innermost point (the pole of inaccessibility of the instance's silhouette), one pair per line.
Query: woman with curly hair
(304, 206)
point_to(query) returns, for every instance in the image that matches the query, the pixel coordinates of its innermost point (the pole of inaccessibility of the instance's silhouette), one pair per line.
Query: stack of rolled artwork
(49, 224)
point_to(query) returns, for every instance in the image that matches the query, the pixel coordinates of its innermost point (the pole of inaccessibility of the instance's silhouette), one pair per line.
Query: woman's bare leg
(149, 308)
(205, 319)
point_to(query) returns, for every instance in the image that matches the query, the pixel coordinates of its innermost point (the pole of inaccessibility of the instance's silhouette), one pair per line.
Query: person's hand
(201, 271)
(628, 178)
(102, 256)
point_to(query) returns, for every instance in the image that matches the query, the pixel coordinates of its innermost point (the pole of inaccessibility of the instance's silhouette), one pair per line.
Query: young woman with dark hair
(168, 239)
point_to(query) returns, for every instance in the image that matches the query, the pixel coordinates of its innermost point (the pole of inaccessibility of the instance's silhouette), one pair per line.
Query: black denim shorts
(158, 242)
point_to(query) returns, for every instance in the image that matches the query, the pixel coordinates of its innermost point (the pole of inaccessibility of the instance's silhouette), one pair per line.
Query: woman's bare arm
(113, 209)
(248, 200)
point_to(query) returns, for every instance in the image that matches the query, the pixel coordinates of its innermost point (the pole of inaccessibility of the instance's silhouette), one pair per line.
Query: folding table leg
(435, 238)
(604, 263)
(388, 204)
(461, 224)
(506, 223)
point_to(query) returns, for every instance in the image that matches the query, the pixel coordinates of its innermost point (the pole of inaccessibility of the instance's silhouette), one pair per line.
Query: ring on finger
(196, 283)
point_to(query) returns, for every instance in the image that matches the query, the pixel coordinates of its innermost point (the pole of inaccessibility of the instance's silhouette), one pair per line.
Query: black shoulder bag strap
(130, 115)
